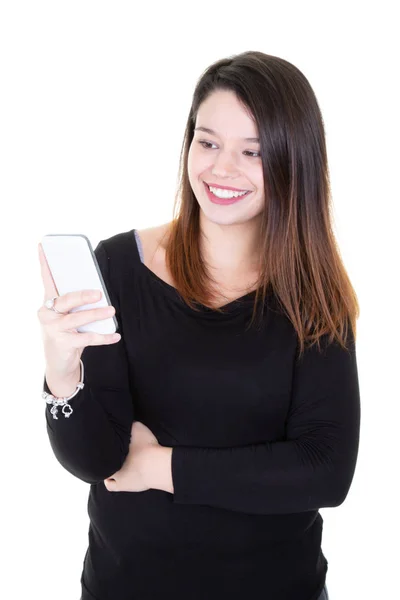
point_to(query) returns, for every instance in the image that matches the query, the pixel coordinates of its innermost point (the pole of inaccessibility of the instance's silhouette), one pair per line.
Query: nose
(224, 165)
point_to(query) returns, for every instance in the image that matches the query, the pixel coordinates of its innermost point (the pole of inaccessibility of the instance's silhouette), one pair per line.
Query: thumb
(50, 290)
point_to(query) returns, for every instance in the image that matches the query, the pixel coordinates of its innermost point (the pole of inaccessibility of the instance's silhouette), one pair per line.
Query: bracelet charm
(56, 402)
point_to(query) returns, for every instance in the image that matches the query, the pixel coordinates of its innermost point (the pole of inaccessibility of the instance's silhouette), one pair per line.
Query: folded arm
(312, 468)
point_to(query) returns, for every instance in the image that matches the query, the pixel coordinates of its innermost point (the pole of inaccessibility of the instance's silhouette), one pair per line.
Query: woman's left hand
(132, 475)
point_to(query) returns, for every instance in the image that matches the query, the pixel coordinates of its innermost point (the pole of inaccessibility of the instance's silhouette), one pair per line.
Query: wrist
(158, 473)
(62, 386)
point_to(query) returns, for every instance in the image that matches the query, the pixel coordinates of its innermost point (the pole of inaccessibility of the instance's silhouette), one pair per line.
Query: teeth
(225, 193)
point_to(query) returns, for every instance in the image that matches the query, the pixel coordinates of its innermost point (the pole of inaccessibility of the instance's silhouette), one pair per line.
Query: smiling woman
(255, 125)
(210, 445)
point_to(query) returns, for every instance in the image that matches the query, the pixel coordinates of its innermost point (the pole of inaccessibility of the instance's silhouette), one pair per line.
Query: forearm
(88, 444)
(271, 478)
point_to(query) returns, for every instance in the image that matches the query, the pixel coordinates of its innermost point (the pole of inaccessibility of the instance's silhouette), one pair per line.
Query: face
(226, 159)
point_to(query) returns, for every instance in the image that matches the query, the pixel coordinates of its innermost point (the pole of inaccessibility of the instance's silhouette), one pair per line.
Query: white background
(93, 103)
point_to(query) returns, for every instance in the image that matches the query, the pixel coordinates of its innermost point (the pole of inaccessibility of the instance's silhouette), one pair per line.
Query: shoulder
(118, 241)
(153, 238)
(115, 253)
(122, 246)
(150, 236)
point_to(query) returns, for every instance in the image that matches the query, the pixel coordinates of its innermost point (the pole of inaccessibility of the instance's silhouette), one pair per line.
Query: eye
(257, 154)
(207, 146)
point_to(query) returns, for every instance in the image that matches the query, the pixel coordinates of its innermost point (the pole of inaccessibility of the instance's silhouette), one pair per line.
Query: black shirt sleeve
(93, 442)
(311, 468)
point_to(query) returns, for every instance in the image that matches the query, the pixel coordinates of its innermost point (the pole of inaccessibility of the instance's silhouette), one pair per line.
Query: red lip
(226, 187)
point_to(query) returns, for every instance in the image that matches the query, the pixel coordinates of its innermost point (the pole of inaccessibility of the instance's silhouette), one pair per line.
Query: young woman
(229, 412)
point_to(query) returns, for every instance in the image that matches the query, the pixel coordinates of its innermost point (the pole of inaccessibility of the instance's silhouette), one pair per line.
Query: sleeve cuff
(191, 483)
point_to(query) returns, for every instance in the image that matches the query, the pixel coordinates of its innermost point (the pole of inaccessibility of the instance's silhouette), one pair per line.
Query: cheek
(258, 180)
(197, 160)
(191, 165)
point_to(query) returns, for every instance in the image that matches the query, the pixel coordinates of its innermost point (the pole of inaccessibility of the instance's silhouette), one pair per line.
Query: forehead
(226, 116)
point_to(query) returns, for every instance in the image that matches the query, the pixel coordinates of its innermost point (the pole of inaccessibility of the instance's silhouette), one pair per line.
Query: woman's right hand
(63, 344)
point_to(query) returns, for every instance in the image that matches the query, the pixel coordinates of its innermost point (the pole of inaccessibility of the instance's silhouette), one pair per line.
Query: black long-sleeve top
(260, 443)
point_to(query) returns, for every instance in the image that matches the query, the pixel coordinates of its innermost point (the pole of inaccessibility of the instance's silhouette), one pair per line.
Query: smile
(224, 196)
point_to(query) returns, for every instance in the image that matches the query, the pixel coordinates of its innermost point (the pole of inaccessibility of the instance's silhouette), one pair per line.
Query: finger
(82, 340)
(50, 289)
(82, 317)
(111, 485)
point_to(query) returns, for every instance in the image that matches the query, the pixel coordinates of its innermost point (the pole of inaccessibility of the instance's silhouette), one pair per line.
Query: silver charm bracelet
(66, 408)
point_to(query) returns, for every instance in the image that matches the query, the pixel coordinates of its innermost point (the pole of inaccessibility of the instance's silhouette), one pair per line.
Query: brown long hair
(301, 262)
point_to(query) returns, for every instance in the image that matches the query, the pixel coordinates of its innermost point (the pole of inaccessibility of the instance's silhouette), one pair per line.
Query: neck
(230, 248)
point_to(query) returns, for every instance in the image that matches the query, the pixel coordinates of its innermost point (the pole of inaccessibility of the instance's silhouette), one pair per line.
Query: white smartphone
(74, 267)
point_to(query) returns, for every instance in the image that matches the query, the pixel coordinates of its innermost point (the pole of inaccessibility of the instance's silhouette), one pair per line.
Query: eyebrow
(212, 132)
